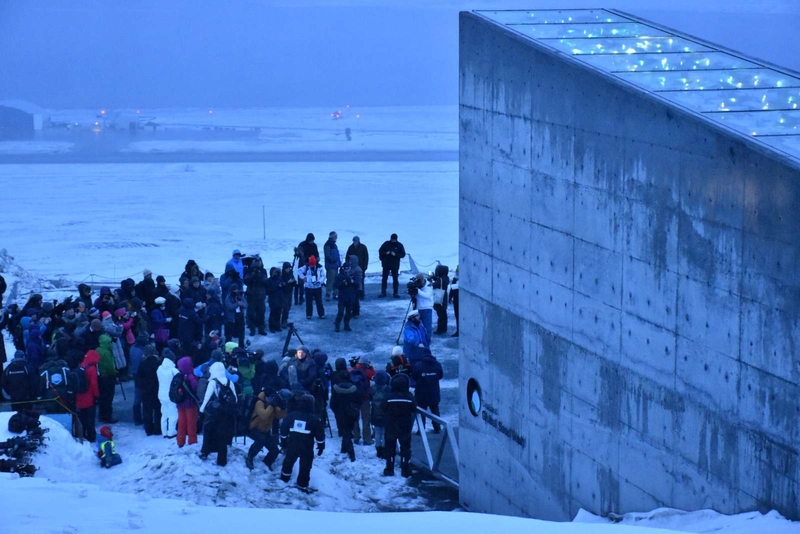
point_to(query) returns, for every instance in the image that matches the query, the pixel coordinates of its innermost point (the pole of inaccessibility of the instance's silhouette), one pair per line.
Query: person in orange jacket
(86, 402)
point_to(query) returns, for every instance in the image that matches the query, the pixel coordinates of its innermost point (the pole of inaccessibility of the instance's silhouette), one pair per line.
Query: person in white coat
(313, 276)
(217, 430)
(169, 410)
(425, 302)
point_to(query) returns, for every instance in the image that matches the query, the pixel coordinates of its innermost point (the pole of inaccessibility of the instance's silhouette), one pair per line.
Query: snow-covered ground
(71, 493)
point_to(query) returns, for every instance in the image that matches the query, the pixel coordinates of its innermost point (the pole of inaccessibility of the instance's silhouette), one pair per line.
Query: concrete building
(629, 250)
(19, 119)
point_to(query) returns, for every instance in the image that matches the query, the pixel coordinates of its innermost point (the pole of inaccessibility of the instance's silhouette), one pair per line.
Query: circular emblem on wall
(474, 400)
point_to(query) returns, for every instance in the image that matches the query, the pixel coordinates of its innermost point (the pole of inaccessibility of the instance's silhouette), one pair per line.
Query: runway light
(137, 111)
(102, 112)
(348, 105)
(358, 116)
(210, 111)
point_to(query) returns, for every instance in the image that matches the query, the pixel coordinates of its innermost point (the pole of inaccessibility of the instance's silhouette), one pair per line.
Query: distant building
(20, 119)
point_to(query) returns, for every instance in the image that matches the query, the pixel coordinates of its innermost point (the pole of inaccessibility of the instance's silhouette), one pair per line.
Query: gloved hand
(320, 448)
(421, 345)
(169, 319)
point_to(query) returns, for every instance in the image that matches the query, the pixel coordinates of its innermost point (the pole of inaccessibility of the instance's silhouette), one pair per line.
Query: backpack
(22, 421)
(55, 381)
(359, 380)
(223, 403)
(77, 381)
(178, 392)
(18, 380)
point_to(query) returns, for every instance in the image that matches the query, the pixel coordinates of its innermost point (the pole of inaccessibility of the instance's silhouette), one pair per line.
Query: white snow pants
(169, 419)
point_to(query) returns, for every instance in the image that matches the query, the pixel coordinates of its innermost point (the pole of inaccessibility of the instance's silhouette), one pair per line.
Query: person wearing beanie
(424, 302)
(302, 253)
(415, 338)
(313, 277)
(364, 367)
(360, 251)
(235, 313)
(159, 322)
(187, 410)
(390, 254)
(256, 280)
(107, 449)
(400, 409)
(398, 364)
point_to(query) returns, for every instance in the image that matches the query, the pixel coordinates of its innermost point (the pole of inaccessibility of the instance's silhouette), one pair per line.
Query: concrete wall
(630, 296)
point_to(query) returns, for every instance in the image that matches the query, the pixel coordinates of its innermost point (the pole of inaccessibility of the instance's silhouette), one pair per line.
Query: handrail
(434, 462)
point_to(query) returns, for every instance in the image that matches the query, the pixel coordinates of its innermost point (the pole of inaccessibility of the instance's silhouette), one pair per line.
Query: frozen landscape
(243, 149)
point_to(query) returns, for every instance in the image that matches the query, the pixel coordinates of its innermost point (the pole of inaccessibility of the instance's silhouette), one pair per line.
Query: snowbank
(701, 521)
(35, 147)
(73, 508)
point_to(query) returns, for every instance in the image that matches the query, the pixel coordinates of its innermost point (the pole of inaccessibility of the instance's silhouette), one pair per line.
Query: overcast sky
(254, 53)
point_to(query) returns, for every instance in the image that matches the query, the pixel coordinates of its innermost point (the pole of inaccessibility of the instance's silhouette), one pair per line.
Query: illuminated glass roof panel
(709, 79)
(626, 45)
(739, 93)
(662, 62)
(759, 123)
(744, 100)
(554, 16)
(588, 30)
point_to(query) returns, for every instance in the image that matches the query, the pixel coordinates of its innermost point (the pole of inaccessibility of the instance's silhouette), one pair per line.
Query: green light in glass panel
(744, 100)
(704, 80)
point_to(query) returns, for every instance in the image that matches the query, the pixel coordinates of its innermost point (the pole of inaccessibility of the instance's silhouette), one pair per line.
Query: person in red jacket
(364, 365)
(86, 402)
(187, 410)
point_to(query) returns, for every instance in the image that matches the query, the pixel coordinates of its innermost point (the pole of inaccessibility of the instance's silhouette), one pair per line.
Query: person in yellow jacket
(267, 409)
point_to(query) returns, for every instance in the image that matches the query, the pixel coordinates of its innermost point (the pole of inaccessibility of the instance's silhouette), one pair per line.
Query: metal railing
(433, 462)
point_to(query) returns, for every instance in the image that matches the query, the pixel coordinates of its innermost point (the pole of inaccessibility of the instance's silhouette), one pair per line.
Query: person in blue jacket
(427, 373)
(415, 338)
(236, 263)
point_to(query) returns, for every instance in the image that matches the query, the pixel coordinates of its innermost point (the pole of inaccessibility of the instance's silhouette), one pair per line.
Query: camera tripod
(291, 332)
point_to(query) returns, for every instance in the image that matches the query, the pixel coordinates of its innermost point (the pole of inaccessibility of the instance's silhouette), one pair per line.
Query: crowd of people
(187, 355)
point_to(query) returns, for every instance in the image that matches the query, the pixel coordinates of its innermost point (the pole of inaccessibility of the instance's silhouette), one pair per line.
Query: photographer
(256, 281)
(346, 288)
(422, 294)
(288, 285)
(441, 282)
(191, 319)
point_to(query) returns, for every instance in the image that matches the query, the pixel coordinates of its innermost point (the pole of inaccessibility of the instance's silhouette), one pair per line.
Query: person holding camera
(268, 409)
(346, 288)
(441, 283)
(422, 295)
(313, 277)
(390, 254)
